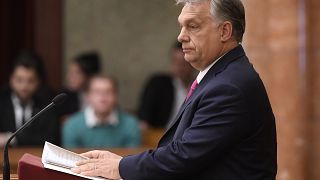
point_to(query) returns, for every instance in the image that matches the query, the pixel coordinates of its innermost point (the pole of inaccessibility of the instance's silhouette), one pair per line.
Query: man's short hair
(89, 63)
(30, 60)
(113, 81)
(227, 10)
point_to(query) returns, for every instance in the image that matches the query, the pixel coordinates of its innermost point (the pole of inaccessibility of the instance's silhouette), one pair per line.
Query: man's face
(101, 95)
(24, 82)
(200, 35)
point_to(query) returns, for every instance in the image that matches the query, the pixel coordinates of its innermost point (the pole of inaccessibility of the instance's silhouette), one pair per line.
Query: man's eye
(193, 26)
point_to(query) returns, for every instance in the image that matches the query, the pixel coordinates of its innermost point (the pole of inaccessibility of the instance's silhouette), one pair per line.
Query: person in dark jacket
(81, 69)
(164, 93)
(25, 96)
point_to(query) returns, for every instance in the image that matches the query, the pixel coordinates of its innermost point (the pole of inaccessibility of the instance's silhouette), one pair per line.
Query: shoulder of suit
(127, 118)
(76, 118)
(123, 114)
(5, 95)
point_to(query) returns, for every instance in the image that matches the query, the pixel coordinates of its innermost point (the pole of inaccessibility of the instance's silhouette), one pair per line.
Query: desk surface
(16, 153)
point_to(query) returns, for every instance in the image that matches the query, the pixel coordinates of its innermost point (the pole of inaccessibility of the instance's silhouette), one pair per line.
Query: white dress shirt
(18, 110)
(93, 121)
(204, 72)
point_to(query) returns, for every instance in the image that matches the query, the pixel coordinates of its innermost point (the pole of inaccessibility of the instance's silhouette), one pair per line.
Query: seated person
(79, 72)
(22, 99)
(102, 123)
(164, 93)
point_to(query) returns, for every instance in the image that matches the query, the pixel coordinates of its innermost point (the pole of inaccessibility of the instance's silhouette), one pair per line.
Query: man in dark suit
(225, 130)
(164, 93)
(25, 97)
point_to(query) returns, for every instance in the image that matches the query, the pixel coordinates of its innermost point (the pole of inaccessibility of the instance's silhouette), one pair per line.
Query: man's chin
(187, 57)
(24, 97)
(193, 63)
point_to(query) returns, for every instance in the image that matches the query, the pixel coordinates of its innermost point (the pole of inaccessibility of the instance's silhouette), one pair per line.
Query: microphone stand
(6, 165)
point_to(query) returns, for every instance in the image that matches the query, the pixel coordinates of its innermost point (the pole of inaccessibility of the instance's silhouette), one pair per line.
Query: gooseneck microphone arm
(6, 165)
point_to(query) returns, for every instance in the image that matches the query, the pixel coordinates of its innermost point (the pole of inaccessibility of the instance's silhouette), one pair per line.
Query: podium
(31, 167)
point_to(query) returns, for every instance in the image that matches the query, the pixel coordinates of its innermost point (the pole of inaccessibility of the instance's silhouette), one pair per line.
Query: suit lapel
(181, 110)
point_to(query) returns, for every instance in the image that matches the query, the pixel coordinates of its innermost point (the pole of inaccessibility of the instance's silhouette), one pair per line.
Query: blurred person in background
(102, 123)
(79, 72)
(25, 96)
(164, 93)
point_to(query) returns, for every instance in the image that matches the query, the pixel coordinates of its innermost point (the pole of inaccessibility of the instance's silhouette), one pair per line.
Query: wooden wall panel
(32, 24)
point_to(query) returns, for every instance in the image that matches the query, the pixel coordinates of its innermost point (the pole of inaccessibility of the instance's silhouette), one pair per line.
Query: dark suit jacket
(225, 131)
(46, 128)
(156, 101)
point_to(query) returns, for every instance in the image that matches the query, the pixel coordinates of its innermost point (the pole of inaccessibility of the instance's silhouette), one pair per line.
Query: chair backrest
(151, 137)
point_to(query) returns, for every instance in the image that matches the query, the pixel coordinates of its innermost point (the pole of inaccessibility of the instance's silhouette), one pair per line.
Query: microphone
(6, 165)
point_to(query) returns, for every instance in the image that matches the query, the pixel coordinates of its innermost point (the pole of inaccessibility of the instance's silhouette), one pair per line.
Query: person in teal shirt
(102, 123)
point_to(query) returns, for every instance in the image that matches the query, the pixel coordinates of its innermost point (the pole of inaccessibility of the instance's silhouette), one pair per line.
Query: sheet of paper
(62, 160)
(56, 155)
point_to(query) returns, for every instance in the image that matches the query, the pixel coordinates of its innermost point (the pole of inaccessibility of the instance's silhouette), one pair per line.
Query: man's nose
(183, 36)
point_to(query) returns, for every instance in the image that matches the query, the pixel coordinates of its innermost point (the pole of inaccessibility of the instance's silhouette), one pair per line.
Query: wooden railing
(12, 177)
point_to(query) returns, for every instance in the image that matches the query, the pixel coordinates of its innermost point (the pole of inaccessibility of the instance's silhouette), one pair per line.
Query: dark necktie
(23, 114)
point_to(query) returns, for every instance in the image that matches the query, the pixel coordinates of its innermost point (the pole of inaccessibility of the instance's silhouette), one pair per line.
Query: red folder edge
(31, 167)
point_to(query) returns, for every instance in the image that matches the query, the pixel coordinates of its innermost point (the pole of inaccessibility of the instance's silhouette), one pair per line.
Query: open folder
(62, 160)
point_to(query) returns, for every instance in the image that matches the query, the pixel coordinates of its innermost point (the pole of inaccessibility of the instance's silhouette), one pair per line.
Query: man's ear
(226, 31)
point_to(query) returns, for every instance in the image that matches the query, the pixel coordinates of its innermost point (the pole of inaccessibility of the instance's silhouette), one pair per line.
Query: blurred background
(133, 41)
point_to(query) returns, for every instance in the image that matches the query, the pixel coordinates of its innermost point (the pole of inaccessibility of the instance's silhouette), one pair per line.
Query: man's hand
(101, 163)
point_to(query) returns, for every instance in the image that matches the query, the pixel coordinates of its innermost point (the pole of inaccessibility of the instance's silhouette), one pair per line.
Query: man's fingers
(91, 154)
(96, 154)
(93, 173)
(85, 167)
(99, 167)
(89, 169)
(76, 170)
(80, 163)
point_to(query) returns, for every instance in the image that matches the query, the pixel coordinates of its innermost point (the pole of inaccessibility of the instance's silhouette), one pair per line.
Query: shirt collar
(92, 120)
(17, 102)
(204, 72)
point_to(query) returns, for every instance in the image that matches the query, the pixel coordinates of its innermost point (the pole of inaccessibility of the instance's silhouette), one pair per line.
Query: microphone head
(60, 98)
